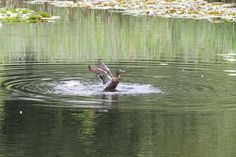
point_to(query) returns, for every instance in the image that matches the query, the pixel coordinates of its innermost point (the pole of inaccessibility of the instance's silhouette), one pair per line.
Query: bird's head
(119, 71)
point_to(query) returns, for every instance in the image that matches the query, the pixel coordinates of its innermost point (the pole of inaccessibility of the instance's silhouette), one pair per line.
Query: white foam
(82, 88)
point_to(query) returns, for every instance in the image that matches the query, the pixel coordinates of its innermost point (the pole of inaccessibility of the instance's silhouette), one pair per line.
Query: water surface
(177, 97)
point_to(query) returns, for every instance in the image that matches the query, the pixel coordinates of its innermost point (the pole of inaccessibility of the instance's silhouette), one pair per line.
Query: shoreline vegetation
(24, 15)
(215, 12)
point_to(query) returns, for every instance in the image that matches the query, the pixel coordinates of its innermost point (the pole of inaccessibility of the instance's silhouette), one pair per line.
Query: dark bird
(105, 75)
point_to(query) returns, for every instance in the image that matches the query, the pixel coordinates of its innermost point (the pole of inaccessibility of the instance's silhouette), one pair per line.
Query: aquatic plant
(24, 15)
(44, 14)
(196, 9)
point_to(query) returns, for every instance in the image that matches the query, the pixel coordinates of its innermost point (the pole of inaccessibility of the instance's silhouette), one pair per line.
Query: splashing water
(82, 88)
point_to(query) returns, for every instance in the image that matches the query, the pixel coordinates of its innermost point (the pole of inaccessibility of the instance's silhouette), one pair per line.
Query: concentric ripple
(174, 86)
(38, 84)
(49, 88)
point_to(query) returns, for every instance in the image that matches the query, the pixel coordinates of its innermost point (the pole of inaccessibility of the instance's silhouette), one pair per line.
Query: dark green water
(177, 97)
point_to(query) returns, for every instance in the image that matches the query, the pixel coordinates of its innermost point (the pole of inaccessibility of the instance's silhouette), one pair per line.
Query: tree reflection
(86, 129)
(10, 4)
(112, 36)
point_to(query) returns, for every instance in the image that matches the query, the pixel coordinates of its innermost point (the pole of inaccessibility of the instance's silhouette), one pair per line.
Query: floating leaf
(216, 13)
(199, 9)
(22, 14)
(193, 11)
(169, 0)
(151, 2)
(171, 10)
(108, 4)
(12, 19)
(43, 14)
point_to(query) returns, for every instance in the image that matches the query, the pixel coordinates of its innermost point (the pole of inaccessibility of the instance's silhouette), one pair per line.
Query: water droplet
(232, 74)
(82, 88)
(164, 64)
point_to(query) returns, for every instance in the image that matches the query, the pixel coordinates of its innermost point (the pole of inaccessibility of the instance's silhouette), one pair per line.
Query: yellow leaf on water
(108, 4)
(193, 11)
(215, 12)
(171, 10)
(181, 11)
(121, 1)
(169, 0)
(151, 2)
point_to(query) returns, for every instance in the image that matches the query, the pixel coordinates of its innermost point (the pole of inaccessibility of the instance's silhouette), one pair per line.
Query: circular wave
(73, 91)
(180, 85)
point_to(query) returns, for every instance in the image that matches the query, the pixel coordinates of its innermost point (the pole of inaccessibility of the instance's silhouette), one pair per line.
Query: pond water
(176, 98)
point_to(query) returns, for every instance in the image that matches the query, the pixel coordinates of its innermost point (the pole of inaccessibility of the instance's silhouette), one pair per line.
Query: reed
(11, 4)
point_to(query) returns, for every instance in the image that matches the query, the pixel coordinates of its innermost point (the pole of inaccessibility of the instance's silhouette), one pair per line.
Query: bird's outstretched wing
(104, 67)
(104, 79)
(102, 74)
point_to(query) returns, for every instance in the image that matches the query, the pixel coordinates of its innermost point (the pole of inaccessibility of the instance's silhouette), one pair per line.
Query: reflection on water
(91, 34)
(175, 99)
(174, 85)
(43, 131)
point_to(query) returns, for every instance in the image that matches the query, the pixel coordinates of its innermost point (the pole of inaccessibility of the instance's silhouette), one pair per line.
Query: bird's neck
(117, 75)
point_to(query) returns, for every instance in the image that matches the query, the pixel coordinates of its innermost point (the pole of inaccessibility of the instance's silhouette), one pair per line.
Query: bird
(105, 75)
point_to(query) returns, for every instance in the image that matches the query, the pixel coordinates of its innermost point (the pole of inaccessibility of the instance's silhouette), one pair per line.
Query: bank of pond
(215, 12)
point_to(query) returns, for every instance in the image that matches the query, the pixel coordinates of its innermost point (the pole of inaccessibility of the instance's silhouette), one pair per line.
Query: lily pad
(24, 15)
(43, 14)
(196, 9)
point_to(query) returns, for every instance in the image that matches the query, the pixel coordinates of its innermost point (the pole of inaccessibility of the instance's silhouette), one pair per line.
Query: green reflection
(1, 92)
(91, 34)
(87, 128)
(167, 134)
(46, 132)
(2, 114)
(150, 126)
